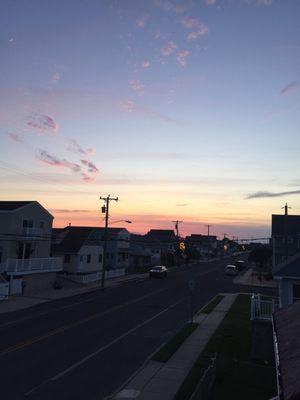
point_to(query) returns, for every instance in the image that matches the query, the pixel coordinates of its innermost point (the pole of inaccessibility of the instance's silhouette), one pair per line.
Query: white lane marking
(77, 364)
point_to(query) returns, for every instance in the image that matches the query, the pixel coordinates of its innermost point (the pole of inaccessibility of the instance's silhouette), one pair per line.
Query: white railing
(261, 309)
(15, 266)
(95, 276)
(4, 290)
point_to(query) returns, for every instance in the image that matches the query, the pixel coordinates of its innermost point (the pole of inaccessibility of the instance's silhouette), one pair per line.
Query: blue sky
(183, 109)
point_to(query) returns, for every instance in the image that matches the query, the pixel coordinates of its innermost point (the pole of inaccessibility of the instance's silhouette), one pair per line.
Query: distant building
(205, 245)
(285, 237)
(163, 244)
(25, 233)
(140, 254)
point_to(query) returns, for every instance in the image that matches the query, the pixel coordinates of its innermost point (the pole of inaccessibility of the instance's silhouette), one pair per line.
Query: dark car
(158, 272)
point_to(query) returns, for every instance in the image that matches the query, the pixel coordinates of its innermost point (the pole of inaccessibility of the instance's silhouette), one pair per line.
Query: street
(86, 346)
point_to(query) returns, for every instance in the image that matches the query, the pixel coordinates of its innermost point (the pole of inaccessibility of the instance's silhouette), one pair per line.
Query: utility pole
(105, 210)
(285, 229)
(177, 261)
(177, 228)
(208, 226)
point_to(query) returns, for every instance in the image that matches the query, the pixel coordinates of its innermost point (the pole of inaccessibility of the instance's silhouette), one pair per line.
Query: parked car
(231, 270)
(158, 272)
(240, 264)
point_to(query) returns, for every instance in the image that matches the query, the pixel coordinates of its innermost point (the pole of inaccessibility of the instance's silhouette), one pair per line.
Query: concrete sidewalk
(15, 303)
(161, 381)
(248, 279)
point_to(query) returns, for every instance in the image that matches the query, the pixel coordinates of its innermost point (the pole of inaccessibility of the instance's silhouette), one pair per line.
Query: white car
(158, 272)
(231, 270)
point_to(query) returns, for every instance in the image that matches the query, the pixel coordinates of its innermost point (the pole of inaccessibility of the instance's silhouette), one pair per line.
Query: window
(81, 259)
(27, 223)
(67, 258)
(1, 255)
(100, 258)
(88, 259)
(41, 224)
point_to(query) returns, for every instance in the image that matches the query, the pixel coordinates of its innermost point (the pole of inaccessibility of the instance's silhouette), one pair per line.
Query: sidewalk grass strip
(238, 376)
(166, 352)
(210, 306)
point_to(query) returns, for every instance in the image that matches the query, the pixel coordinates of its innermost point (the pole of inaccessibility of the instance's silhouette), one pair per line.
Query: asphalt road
(86, 346)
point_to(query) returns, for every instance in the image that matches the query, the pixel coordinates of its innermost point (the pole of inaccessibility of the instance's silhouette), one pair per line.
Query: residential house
(287, 275)
(205, 245)
(140, 255)
(285, 237)
(162, 244)
(82, 254)
(25, 233)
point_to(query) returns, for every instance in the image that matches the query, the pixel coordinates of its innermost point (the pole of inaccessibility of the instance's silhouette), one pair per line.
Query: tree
(261, 256)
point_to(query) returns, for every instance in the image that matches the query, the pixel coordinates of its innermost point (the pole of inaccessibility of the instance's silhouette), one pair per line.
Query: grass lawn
(169, 348)
(210, 306)
(238, 377)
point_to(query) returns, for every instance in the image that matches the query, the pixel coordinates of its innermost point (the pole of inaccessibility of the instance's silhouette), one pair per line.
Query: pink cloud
(142, 21)
(169, 48)
(202, 30)
(127, 106)
(43, 124)
(181, 57)
(76, 148)
(210, 2)
(90, 166)
(54, 161)
(291, 87)
(190, 22)
(87, 178)
(137, 86)
(145, 63)
(55, 78)
(16, 138)
(170, 6)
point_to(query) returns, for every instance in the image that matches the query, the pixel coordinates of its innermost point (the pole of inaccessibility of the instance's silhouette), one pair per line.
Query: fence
(204, 387)
(4, 290)
(31, 265)
(262, 309)
(96, 276)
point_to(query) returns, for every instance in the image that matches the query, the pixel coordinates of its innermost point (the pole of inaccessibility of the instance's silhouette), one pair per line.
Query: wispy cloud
(131, 107)
(16, 138)
(170, 6)
(54, 161)
(137, 86)
(55, 78)
(65, 210)
(145, 63)
(291, 87)
(168, 49)
(141, 22)
(182, 205)
(87, 178)
(210, 2)
(90, 166)
(181, 57)
(260, 195)
(199, 29)
(43, 124)
(76, 148)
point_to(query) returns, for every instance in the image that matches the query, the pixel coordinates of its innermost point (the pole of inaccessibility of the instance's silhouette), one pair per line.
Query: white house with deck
(25, 241)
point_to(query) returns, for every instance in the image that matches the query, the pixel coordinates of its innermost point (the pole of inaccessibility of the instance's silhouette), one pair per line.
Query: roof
(285, 225)
(161, 235)
(13, 205)
(288, 268)
(287, 327)
(70, 239)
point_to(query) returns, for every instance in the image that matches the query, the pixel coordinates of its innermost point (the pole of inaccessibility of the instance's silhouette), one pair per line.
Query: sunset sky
(186, 110)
